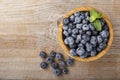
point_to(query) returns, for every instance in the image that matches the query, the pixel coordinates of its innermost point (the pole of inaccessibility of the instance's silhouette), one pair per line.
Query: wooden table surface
(30, 26)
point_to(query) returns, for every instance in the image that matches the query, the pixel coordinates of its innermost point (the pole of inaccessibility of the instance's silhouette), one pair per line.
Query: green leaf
(99, 15)
(91, 19)
(93, 13)
(97, 25)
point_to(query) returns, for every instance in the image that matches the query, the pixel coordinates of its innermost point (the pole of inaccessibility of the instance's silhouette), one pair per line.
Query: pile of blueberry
(57, 62)
(81, 36)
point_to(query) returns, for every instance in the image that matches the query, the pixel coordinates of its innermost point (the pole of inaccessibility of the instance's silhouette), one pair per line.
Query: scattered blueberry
(59, 56)
(43, 54)
(54, 65)
(43, 65)
(57, 72)
(52, 53)
(49, 59)
(65, 71)
(69, 62)
(63, 63)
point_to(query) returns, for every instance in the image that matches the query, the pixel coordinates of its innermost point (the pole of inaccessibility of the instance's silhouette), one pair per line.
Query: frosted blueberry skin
(82, 38)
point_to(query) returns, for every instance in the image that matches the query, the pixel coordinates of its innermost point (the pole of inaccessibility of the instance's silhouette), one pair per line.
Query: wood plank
(30, 26)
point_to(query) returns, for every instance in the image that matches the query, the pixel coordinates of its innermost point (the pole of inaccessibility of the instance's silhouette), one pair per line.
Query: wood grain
(30, 26)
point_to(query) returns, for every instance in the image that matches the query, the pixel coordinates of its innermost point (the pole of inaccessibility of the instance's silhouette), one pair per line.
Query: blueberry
(82, 16)
(88, 46)
(63, 64)
(69, 31)
(74, 36)
(77, 14)
(102, 21)
(88, 33)
(91, 26)
(102, 45)
(105, 40)
(70, 25)
(104, 34)
(72, 46)
(77, 41)
(94, 33)
(69, 62)
(87, 18)
(80, 51)
(75, 31)
(54, 65)
(49, 59)
(93, 40)
(72, 18)
(65, 27)
(43, 54)
(80, 45)
(66, 33)
(66, 41)
(65, 21)
(65, 71)
(86, 37)
(79, 26)
(81, 32)
(57, 72)
(43, 65)
(77, 19)
(85, 27)
(70, 40)
(99, 39)
(93, 53)
(59, 56)
(84, 55)
(86, 14)
(84, 21)
(52, 53)
(98, 49)
(78, 37)
(105, 27)
(83, 41)
(73, 52)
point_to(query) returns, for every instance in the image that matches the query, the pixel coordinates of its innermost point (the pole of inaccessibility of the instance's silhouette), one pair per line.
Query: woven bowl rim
(66, 49)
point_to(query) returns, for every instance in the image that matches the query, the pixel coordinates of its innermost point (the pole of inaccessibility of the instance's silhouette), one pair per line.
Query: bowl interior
(66, 49)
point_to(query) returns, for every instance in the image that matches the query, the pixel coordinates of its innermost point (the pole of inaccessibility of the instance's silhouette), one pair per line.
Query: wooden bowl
(66, 49)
